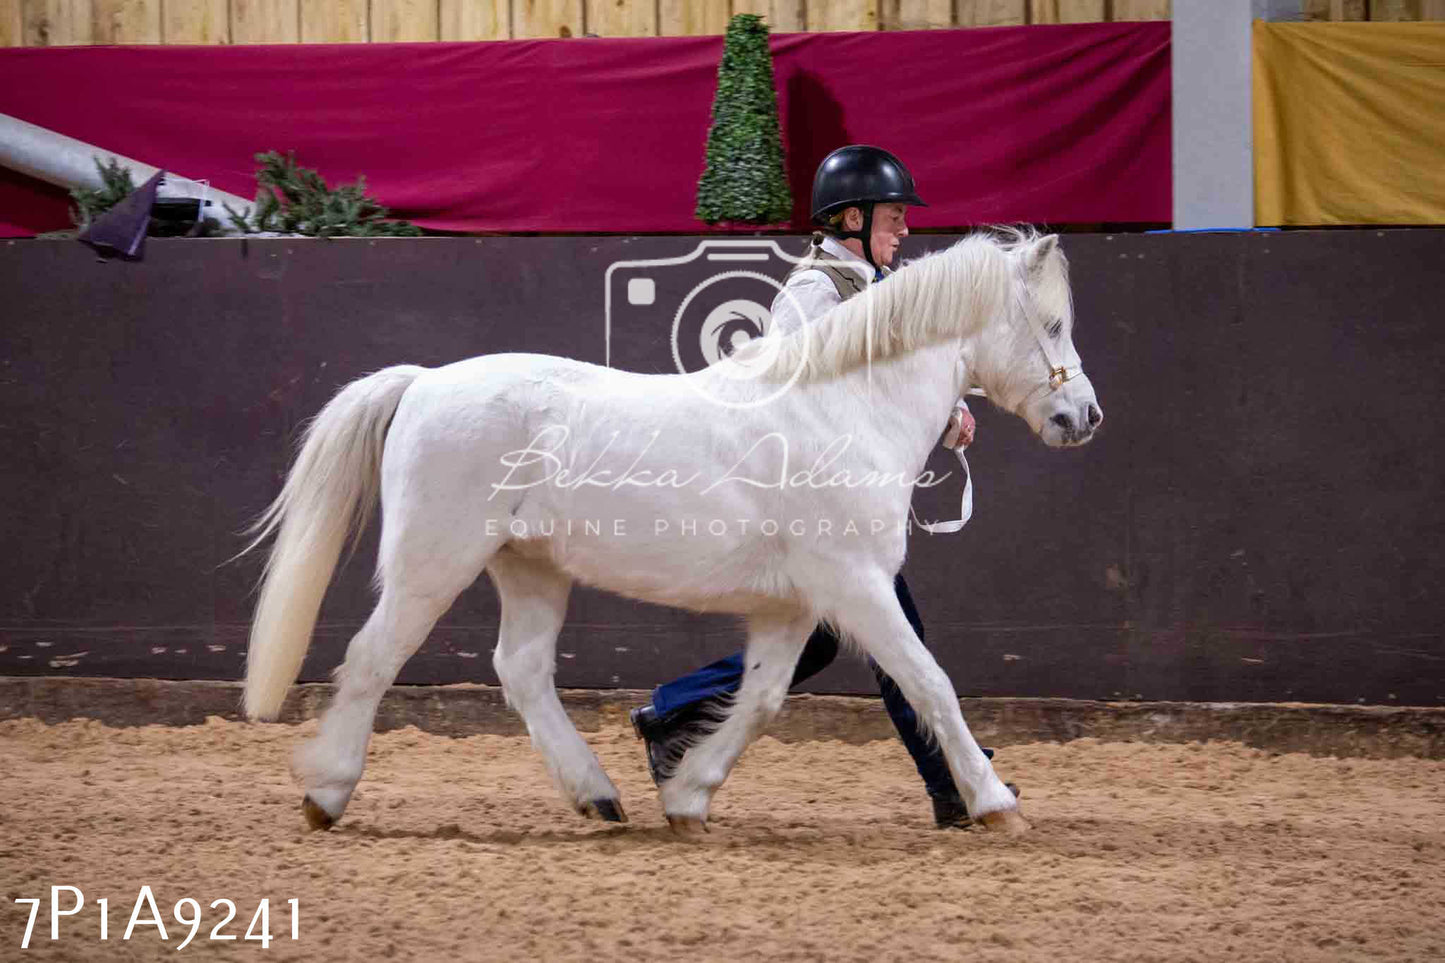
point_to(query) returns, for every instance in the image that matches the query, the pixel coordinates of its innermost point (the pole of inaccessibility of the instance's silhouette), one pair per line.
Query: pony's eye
(1056, 329)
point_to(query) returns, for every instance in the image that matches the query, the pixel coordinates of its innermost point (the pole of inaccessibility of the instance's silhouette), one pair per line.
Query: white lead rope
(965, 511)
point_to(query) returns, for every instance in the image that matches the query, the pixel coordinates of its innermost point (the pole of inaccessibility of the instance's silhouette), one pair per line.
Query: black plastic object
(121, 231)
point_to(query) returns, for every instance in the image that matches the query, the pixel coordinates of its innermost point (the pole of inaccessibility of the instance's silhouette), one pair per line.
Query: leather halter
(1060, 371)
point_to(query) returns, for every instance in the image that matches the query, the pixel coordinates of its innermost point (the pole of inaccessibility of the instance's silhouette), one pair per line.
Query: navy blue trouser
(724, 676)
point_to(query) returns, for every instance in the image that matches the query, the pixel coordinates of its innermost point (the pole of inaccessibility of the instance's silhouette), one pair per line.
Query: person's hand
(959, 433)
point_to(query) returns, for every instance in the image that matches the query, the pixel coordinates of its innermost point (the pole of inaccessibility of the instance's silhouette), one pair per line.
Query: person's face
(889, 229)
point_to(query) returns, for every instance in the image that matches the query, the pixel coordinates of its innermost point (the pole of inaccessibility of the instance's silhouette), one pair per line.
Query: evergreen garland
(744, 180)
(296, 200)
(116, 186)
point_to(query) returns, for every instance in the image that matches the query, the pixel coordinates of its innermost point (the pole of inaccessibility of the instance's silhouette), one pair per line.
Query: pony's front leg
(872, 616)
(774, 645)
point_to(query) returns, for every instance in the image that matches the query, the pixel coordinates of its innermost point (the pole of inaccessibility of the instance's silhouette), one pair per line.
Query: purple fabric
(1060, 124)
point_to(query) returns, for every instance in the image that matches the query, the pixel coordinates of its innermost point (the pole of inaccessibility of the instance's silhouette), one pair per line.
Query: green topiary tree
(744, 180)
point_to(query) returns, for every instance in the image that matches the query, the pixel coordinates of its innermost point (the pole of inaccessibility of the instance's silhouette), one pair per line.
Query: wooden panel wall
(546, 18)
(61, 22)
(475, 19)
(843, 15)
(403, 21)
(200, 21)
(621, 18)
(12, 24)
(335, 21)
(1141, 9)
(1336, 9)
(265, 21)
(990, 13)
(682, 18)
(1068, 11)
(126, 21)
(917, 14)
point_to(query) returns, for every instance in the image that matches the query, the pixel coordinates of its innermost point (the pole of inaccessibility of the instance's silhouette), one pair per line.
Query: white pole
(66, 162)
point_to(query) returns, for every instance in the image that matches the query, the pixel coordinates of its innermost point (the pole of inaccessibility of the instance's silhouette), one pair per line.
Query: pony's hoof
(1007, 821)
(607, 810)
(316, 817)
(687, 825)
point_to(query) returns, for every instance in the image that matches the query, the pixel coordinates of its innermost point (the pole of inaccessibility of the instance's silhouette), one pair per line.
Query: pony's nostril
(1063, 421)
(1095, 416)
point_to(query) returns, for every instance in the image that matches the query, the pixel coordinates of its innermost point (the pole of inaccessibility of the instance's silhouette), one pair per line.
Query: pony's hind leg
(420, 579)
(533, 594)
(330, 765)
(774, 645)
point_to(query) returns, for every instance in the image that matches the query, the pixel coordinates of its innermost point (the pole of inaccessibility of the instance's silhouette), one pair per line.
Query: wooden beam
(1067, 11)
(58, 23)
(196, 21)
(622, 18)
(782, 16)
(335, 21)
(1141, 9)
(991, 13)
(689, 18)
(843, 15)
(916, 14)
(12, 24)
(1335, 10)
(404, 21)
(546, 18)
(787, 16)
(476, 19)
(1394, 10)
(126, 21)
(265, 21)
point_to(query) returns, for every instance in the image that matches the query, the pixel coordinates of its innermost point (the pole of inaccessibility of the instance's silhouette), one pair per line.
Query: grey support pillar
(1213, 120)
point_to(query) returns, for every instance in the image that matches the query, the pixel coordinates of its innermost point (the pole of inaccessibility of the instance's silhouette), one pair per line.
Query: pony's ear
(1040, 250)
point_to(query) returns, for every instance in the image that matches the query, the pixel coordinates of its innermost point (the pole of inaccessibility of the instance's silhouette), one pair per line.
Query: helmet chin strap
(866, 234)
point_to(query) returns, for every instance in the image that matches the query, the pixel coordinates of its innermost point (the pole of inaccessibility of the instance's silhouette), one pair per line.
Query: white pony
(776, 487)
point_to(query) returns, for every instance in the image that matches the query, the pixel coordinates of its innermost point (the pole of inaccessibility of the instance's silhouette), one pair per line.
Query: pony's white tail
(328, 496)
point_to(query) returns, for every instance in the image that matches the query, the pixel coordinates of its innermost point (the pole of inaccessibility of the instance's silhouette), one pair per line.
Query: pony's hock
(464, 462)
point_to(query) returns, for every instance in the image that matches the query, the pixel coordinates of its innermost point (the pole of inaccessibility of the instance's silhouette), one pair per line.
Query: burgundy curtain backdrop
(1057, 124)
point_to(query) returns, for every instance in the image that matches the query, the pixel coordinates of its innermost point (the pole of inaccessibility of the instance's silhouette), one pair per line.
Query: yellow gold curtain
(1349, 123)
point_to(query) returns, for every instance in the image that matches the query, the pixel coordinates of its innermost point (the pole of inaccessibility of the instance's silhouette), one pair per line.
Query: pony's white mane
(940, 295)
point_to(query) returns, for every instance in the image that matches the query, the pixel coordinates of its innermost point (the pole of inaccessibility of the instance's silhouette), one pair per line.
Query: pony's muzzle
(1075, 430)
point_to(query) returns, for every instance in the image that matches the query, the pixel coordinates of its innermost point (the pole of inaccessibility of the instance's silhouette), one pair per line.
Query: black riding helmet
(861, 176)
